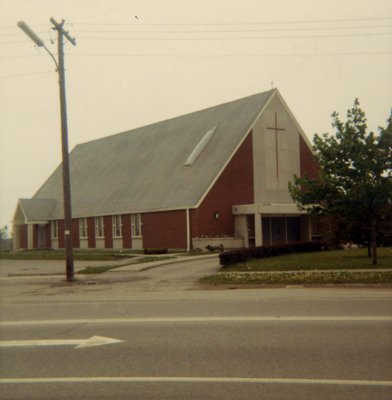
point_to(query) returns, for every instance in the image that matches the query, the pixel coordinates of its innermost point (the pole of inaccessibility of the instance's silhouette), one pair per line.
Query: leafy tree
(355, 178)
(3, 232)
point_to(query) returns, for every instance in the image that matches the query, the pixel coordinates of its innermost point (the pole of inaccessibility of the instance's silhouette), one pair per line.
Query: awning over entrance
(266, 224)
(268, 209)
(31, 223)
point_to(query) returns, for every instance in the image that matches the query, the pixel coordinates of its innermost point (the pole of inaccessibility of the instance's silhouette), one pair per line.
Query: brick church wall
(91, 232)
(107, 220)
(165, 229)
(23, 236)
(234, 186)
(308, 165)
(126, 231)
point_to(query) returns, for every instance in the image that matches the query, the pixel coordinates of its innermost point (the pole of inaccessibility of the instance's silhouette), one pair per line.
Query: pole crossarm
(60, 27)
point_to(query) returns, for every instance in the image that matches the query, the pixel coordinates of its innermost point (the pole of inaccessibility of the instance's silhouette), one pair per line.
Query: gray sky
(141, 61)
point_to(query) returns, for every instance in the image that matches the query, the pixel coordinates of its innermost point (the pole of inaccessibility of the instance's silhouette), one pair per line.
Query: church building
(213, 177)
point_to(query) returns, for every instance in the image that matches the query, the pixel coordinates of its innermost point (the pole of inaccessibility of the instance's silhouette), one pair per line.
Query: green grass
(328, 267)
(101, 255)
(338, 259)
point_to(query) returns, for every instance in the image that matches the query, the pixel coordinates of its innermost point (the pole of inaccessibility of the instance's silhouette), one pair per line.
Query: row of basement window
(136, 227)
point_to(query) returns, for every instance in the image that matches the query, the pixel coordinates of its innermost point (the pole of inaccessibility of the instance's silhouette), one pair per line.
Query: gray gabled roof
(144, 169)
(37, 210)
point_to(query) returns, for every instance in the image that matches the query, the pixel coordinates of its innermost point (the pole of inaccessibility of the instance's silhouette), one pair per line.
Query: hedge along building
(216, 176)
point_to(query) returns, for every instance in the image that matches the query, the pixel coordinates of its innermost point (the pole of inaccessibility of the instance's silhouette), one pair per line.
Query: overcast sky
(142, 61)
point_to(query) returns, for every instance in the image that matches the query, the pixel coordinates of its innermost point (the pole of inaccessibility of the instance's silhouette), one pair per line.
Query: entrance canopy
(34, 211)
(267, 224)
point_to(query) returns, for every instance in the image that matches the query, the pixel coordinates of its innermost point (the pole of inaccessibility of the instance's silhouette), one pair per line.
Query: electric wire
(345, 20)
(157, 38)
(236, 30)
(26, 74)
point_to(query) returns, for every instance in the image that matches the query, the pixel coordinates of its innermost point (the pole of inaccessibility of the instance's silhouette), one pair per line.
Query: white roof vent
(200, 147)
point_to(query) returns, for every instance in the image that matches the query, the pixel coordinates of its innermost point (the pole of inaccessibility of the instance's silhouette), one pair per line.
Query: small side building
(213, 177)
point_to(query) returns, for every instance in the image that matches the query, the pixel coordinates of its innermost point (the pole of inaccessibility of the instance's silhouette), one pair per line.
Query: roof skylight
(199, 147)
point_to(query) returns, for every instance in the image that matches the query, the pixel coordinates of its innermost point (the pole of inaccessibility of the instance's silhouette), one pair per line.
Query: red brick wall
(61, 234)
(107, 220)
(126, 231)
(234, 186)
(23, 236)
(48, 238)
(126, 222)
(91, 232)
(165, 229)
(35, 236)
(75, 233)
(308, 164)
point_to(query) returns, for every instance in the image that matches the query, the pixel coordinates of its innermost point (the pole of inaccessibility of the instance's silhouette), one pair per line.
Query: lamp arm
(53, 58)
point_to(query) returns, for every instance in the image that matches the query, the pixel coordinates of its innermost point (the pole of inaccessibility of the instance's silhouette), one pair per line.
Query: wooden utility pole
(64, 146)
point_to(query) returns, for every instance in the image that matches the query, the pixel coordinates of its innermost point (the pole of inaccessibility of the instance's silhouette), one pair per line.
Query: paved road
(180, 342)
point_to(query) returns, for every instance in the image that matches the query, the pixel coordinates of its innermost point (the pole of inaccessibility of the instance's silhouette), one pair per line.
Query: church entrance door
(281, 230)
(41, 236)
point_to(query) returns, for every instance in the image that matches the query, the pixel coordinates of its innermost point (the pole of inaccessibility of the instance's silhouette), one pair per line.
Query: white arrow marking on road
(78, 343)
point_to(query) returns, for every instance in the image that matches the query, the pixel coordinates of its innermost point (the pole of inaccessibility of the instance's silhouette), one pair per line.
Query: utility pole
(64, 146)
(59, 27)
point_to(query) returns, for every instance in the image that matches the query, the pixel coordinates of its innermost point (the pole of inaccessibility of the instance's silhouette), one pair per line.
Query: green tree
(3, 232)
(355, 178)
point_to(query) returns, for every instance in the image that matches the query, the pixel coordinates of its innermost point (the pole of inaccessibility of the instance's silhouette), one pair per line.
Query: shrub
(240, 255)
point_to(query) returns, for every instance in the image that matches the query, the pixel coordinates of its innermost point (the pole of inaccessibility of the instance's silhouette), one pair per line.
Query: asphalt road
(177, 341)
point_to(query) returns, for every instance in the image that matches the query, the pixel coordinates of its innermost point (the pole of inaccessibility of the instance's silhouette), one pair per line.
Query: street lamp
(64, 133)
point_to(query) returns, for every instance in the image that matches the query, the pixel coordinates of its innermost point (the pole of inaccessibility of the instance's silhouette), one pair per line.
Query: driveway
(44, 281)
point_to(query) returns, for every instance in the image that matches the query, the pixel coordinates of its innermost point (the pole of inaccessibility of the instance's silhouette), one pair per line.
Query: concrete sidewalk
(26, 268)
(144, 266)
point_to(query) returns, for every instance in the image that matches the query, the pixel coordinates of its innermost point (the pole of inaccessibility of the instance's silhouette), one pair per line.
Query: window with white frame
(136, 225)
(55, 229)
(83, 228)
(116, 225)
(99, 233)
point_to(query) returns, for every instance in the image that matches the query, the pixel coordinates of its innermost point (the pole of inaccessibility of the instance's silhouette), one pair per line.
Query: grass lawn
(337, 259)
(88, 255)
(329, 267)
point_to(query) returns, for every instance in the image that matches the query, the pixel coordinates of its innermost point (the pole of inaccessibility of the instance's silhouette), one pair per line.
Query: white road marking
(185, 379)
(199, 319)
(78, 343)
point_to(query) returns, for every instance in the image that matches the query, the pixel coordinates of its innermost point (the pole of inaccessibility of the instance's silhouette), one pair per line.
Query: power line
(236, 23)
(139, 55)
(132, 31)
(24, 56)
(206, 55)
(200, 55)
(13, 26)
(14, 42)
(157, 38)
(218, 24)
(225, 38)
(238, 30)
(26, 74)
(216, 56)
(330, 35)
